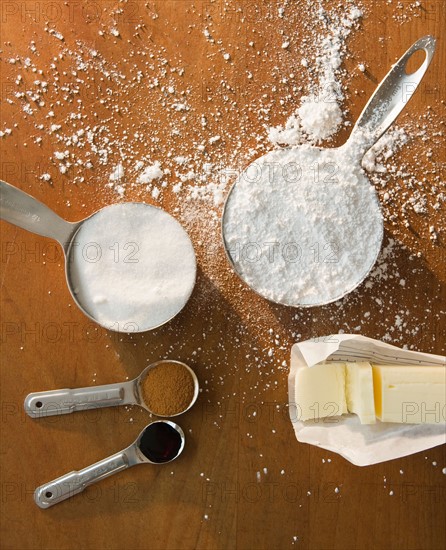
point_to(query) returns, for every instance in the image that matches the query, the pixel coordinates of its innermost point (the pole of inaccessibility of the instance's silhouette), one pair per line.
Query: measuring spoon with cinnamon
(166, 388)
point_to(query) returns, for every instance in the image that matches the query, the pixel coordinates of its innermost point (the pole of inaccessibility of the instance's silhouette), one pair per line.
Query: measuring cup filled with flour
(303, 226)
(130, 267)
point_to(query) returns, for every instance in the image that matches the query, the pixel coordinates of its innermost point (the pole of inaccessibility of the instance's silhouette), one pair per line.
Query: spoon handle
(23, 210)
(65, 401)
(75, 482)
(390, 97)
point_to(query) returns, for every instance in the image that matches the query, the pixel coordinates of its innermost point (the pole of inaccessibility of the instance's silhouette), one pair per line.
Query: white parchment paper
(361, 444)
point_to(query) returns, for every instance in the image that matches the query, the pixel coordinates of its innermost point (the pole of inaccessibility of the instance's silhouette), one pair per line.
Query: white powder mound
(150, 173)
(291, 134)
(133, 267)
(319, 116)
(319, 119)
(303, 227)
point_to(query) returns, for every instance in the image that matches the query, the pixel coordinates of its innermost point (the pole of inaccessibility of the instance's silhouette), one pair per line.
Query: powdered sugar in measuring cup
(303, 226)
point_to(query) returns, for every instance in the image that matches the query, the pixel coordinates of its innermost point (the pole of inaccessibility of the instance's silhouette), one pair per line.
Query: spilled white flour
(133, 267)
(116, 180)
(320, 115)
(150, 173)
(303, 226)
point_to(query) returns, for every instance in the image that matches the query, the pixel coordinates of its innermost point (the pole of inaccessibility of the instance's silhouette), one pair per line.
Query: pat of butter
(410, 394)
(320, 391)
(359, 391)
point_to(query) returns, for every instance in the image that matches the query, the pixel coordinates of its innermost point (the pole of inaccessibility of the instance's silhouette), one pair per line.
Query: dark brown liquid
(160, 442)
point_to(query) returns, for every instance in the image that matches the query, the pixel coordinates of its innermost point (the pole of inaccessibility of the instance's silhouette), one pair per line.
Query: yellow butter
(320, 391)
(410, 394)
(359, 391)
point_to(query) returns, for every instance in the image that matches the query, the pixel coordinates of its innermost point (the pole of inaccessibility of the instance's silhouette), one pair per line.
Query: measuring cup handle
(390, 97)
(65, 401)
(75, 482)
(23, 210)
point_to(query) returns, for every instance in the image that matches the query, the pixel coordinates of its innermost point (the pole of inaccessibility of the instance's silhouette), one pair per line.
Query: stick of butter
(359, 391)
(410, 394)
(320, 391)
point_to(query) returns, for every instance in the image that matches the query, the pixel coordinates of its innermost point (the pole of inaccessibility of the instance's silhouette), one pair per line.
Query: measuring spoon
(65, 401)
(270, 258)
(130, 267)
(159, 442)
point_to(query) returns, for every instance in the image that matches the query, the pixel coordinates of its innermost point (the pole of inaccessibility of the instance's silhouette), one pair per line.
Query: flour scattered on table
(320, 115)
(116, 180)
(150, 173)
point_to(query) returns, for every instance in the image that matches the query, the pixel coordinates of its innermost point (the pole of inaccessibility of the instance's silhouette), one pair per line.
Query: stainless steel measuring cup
(65, 401)
(388, 100)
(23, 210)
(158, 443)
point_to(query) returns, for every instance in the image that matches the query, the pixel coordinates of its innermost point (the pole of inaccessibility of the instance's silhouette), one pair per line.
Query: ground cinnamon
(168, 389)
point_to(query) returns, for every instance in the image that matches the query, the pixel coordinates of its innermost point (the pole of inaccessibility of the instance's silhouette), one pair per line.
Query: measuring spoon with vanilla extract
(159, 442)
(166, 388)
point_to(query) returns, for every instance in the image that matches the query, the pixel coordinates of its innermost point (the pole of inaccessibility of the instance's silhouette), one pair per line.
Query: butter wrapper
(361, 445)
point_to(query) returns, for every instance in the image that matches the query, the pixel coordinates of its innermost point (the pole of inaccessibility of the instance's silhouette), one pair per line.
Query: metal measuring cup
(158, 443)
(385, 104)
(65, 401)
(23, 210)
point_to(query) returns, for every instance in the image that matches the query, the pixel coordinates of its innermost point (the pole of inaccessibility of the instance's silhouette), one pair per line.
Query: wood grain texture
(211, 498)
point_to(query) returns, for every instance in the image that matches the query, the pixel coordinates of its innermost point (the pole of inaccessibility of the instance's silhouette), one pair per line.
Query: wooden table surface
(243, 481)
